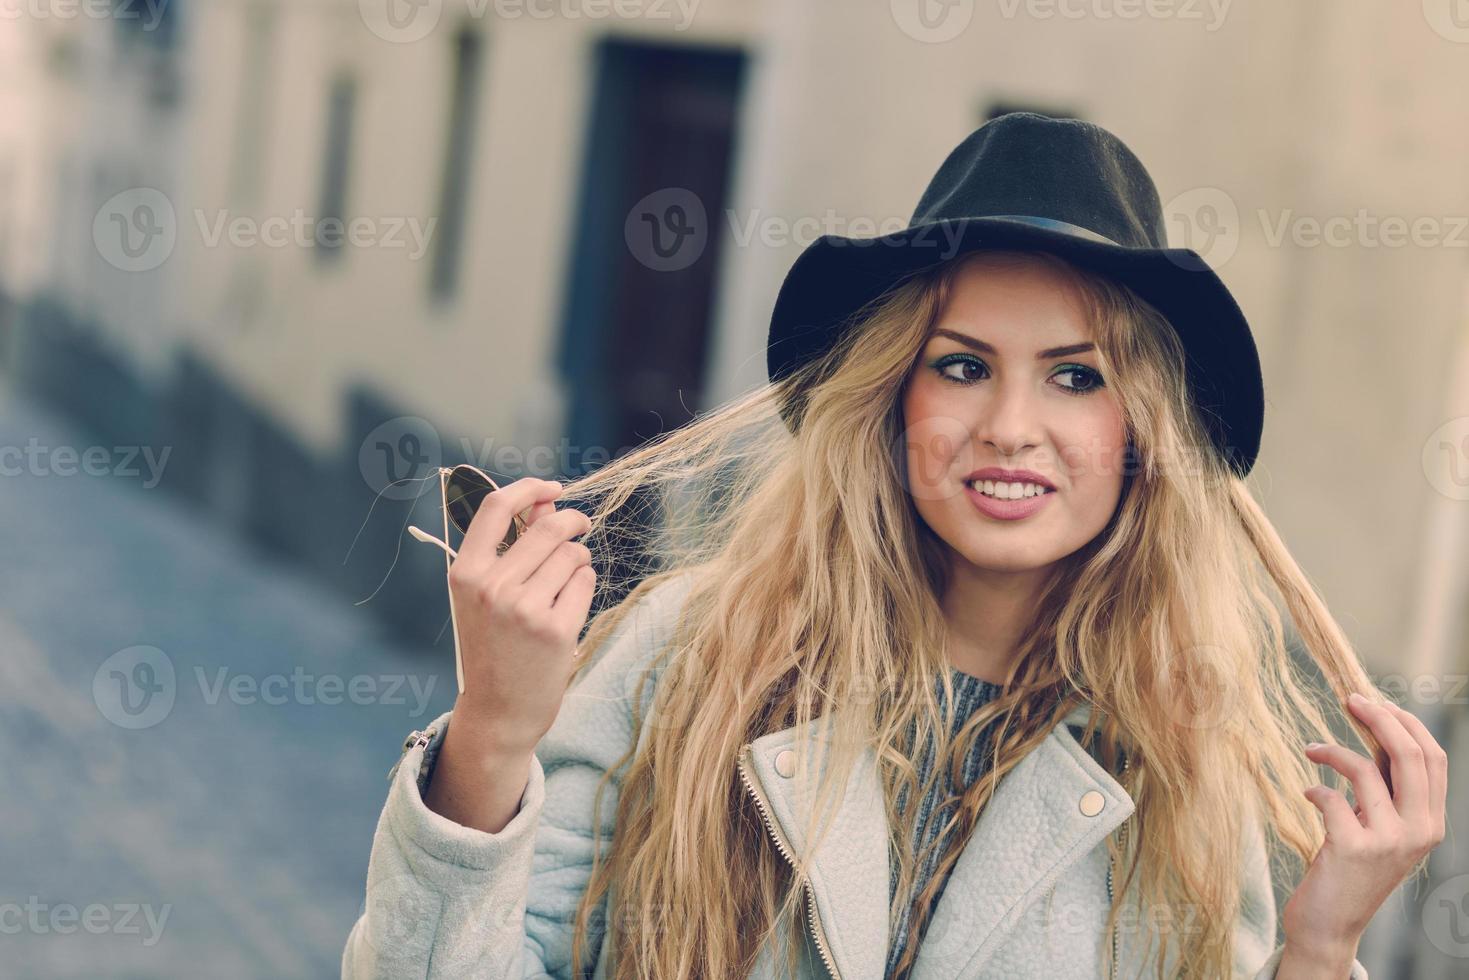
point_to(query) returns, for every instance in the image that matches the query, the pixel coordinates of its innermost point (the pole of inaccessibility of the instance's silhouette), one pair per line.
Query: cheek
(935, 442)
(1094, 454)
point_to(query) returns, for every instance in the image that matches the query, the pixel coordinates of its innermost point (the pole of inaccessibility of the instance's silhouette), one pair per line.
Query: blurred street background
(266, 264)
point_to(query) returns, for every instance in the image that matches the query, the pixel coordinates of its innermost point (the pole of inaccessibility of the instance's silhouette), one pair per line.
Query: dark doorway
(645, 250)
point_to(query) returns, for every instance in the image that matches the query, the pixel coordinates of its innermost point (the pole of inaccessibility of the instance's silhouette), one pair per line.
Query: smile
(1019, 501)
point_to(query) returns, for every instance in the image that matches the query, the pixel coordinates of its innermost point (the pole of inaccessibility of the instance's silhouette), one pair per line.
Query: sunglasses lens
(466, 488)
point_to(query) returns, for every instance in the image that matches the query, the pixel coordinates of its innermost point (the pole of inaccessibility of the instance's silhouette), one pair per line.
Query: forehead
(1014, 301)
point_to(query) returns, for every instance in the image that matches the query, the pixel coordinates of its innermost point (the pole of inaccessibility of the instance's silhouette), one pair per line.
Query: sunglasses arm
(427, 538)
(449, 553)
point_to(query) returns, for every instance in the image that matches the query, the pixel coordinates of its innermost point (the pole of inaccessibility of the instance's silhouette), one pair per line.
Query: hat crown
(1068, 170)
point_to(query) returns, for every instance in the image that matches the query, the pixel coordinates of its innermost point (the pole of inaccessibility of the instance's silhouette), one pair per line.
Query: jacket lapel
(849, 870)
(1047, 813)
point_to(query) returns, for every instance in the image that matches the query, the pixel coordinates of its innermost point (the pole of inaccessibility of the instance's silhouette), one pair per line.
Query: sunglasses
(462, 489)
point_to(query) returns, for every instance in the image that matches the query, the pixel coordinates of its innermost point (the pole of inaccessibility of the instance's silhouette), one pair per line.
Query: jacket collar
(1032, 830)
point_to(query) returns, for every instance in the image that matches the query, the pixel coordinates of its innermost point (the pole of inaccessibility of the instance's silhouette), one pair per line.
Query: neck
(987, 611)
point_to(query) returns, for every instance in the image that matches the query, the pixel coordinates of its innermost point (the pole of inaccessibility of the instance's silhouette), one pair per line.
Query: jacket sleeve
(1256, 954)
(444, 900)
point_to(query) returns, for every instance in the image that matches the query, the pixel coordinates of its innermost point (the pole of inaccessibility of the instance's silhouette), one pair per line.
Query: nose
(1009, 420)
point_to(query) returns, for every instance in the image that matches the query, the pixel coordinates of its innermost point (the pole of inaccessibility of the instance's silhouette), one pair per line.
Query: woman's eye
(962, 369)
(1089, 379)
(969, 368)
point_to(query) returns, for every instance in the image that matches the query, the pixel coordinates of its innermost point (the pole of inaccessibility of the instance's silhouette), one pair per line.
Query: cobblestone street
(197, 739)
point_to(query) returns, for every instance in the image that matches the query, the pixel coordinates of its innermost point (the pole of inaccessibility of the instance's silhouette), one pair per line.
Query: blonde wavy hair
(816, 584)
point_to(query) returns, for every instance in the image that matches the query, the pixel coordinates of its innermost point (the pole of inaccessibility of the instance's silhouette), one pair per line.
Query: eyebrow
(983, 347)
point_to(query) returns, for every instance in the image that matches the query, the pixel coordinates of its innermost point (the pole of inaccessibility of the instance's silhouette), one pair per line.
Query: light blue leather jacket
(1027, 899)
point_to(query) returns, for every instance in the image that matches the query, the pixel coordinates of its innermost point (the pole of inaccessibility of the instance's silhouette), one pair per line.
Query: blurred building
(563, 225)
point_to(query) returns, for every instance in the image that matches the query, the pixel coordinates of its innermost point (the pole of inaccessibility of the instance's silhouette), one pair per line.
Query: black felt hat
(1069, 187)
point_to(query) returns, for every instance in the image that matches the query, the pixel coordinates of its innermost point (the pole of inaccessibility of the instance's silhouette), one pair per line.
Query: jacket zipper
(1122, 839)
(817, 933)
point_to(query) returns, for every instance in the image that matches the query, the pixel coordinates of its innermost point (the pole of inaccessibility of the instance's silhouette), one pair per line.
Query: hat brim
(836, 276)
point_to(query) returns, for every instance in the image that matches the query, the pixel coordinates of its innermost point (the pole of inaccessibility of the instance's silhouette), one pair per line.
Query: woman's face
(1008, 379)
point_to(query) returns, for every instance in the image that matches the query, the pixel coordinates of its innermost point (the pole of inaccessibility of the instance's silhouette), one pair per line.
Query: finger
(1341, 822)
(492, 520)
(574, 600)
(539, 510)
(1366, 781)
(1409, 769)
(547, 580)
(1436, 761)
(516, 566)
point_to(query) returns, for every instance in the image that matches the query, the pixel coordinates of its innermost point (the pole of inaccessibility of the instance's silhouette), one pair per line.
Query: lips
(1000, 474)
(1007, 509)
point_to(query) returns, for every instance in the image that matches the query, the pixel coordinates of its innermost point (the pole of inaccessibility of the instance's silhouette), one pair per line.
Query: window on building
(458, 159)
(332, 213)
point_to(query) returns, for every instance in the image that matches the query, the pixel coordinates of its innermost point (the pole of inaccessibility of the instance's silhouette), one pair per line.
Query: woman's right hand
(519, 614)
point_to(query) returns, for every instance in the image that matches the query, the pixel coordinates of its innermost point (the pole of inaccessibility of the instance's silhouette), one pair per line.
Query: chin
(989, 557)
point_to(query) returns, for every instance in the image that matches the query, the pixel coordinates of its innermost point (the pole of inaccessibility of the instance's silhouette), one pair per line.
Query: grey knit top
(970, 693)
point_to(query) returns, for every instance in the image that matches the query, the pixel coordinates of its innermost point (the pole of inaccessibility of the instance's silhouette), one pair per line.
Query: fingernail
(1315, 745)
(1357, 698)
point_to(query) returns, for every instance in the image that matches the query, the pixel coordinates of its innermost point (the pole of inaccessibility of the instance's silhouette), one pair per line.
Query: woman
(957, 656)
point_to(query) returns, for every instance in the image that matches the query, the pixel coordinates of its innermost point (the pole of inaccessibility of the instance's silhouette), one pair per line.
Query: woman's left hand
(1369, 850)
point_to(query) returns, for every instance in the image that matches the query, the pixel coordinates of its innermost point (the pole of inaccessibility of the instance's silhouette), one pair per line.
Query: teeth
(1008, 491)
